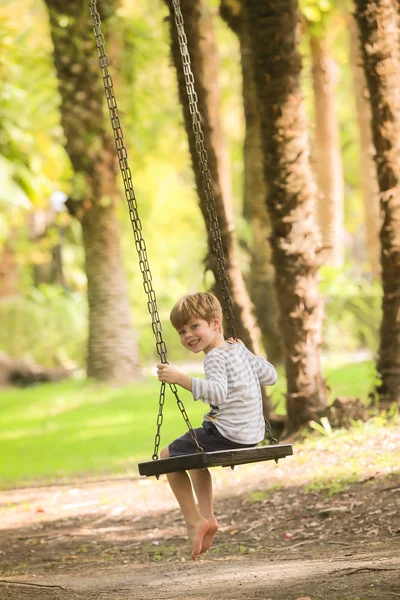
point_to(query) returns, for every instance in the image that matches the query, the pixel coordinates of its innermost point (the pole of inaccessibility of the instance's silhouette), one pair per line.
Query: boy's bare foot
(209, 536)
(196, 536)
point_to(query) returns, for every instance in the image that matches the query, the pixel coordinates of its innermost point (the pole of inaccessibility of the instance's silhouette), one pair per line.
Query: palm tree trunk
(260, 281)
(378, 23)
(290, 201)
(204, 63)
(112, 348)
(329, 168)
(368, 179)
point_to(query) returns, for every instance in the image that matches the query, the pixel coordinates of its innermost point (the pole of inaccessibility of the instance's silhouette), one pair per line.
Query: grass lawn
(58, 431)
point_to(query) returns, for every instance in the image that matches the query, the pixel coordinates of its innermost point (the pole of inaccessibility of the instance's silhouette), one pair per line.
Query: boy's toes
(197, 538)
(209, 536)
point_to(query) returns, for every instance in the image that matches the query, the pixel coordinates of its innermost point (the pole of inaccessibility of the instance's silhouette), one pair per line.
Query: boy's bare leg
(197, 525)
(202, 484)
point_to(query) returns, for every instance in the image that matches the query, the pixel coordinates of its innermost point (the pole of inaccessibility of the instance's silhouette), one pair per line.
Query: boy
(232, 389)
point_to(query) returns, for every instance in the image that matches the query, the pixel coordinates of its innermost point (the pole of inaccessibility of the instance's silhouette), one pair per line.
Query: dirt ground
(281, 537)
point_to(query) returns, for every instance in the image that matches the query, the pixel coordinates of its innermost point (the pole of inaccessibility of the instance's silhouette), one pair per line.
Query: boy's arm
(169, 374)
(265, 371)
(214, 388)
(211, 390)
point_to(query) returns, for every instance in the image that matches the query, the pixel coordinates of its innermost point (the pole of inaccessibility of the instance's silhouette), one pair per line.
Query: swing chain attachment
(206, 175)
(136, 226)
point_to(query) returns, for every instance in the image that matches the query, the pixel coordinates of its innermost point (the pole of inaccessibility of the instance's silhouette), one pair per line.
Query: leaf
(324, 428)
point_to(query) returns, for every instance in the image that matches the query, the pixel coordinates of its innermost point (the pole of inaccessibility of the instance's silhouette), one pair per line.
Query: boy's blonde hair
(201, 305)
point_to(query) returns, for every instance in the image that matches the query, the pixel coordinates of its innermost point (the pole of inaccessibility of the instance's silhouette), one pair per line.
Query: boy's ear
(217, 321)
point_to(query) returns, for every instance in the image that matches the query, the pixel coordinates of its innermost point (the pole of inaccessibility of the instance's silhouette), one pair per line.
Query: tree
(378, 24)
(328, 157)
(204, 64)
(274, 27)
(260, 280)
(368, 179)
(112, 348)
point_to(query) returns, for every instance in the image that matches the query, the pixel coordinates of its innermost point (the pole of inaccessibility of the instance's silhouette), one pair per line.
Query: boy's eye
(194, 325)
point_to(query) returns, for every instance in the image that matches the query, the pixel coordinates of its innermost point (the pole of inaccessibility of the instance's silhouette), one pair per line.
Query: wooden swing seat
(221, 458)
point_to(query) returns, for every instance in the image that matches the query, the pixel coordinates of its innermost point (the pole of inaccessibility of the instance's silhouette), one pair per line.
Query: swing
(200, 459)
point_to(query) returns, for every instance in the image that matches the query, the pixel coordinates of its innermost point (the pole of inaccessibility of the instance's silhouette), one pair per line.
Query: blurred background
(72, 302)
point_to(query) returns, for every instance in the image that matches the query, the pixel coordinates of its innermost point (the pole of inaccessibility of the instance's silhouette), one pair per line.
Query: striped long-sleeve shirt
(231, 386)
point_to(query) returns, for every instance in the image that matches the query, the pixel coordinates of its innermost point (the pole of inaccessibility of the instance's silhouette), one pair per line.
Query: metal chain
(136, 226)
(268, 432)
(205, 171)
(206, 178)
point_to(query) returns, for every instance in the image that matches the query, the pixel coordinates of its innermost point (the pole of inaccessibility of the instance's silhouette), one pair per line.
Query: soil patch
(125, 540)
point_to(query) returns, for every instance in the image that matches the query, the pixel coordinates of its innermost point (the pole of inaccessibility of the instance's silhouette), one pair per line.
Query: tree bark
(378, 23)
(290, 201)
(204, 63)
(368, 180)
(112, 348)
(260, 281)
(329, 168)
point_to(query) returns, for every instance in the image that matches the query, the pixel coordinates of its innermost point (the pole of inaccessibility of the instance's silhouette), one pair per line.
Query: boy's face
(201, 336)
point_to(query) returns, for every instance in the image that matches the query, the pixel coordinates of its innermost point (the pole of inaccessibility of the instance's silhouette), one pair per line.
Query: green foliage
(331, 484)
(348, 457)
(315, 10)
(258, 496)
(261, 496)
(33, 164)
(32, 161)
(324, 427)
(49, 326)
(352, 309)
(30, 133)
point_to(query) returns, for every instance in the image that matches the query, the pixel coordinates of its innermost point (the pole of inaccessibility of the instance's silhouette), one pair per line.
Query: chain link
(205, 171)
(268, 432)
(206, 179)
(136, 226)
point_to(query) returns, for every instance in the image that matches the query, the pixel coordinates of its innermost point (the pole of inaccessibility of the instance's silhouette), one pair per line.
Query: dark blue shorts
(209, 438)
